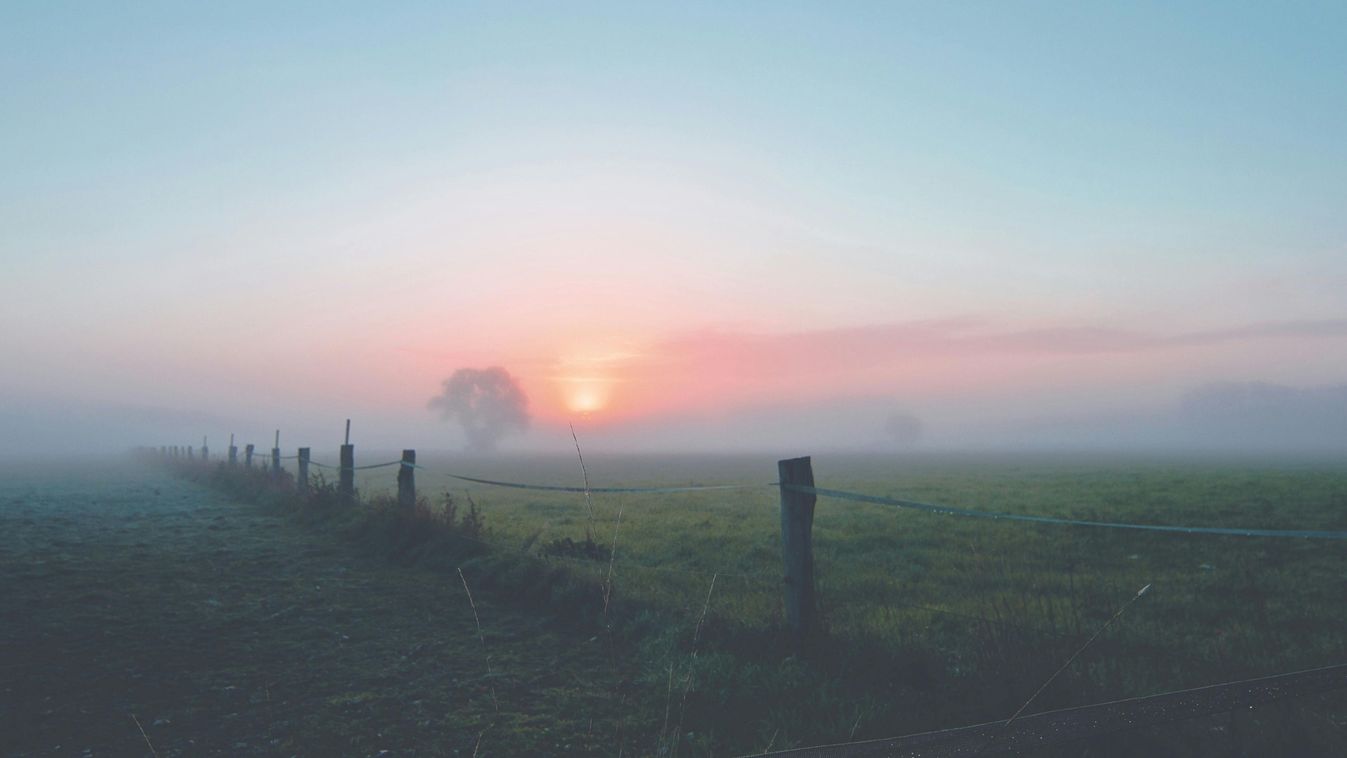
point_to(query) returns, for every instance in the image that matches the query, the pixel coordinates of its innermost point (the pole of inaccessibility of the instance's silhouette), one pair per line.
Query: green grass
(936, 621)
(227, 629)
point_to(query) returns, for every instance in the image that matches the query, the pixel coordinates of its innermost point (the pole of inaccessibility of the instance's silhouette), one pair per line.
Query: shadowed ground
(129, 595)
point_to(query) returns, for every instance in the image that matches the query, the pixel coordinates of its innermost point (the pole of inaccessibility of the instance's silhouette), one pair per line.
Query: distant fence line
(798, 501)
(948, 510)
(798, 498)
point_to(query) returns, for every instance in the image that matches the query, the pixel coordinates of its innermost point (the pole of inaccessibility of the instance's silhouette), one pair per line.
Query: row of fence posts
(797, 514)
(346, 469)
(184, 451)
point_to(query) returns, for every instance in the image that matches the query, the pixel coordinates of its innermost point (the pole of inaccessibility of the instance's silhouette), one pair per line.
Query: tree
(488, 403)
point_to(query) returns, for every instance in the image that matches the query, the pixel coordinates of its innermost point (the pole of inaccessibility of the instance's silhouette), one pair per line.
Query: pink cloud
(717, 370)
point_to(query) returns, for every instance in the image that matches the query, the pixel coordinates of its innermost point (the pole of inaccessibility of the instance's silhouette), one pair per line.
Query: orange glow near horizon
(722, 372)
(585, 396)
(614, 381)
(583, 382)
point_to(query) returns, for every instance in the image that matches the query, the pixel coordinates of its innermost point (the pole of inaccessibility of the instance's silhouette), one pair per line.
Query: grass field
(939, 620)
(931, 621)
(131, 598)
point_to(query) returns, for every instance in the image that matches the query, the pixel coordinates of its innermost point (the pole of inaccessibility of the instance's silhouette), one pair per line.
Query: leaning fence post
(797, 553)
(248, 455)
(302, 477)
(233, 451)
(276, 456)
(346, 475)
(407, 480)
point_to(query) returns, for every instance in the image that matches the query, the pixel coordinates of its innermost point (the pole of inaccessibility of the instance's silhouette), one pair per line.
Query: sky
(678, 226)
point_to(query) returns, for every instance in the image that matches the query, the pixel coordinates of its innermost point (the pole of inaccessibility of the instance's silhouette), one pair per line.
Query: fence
(798, 494)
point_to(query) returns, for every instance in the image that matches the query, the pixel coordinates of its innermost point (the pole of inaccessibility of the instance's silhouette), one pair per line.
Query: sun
(585, 399)
(585, 381)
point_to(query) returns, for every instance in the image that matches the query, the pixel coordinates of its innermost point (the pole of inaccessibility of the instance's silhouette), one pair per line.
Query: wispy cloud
(972, 335)
(1268, 330)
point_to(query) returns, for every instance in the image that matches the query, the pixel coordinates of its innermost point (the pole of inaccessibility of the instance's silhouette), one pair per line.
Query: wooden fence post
(346, 475)
(302, 478)
(248, 455)
(205, 451)
(233, 451)
(797, 552)
(407, 480)
(276, 457)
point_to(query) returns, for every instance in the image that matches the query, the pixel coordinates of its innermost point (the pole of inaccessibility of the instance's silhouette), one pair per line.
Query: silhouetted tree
(488, 403)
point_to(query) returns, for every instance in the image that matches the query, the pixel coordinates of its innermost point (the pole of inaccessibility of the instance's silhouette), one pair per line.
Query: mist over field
(1240, 418)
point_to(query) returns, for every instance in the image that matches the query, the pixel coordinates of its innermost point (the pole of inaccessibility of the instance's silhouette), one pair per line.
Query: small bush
(472, 525)
(419, 534)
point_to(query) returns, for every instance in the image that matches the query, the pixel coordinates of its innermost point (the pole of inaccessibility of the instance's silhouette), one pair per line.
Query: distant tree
(488, 403)
(904, 429)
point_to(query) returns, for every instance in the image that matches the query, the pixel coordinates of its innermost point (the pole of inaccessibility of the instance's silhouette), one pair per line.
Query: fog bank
(1215, 417)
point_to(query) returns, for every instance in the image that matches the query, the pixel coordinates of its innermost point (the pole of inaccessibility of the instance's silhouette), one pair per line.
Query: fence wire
(949, 510)
(835, 494)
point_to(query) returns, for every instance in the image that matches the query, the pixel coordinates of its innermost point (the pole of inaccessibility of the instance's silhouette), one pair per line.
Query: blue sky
(173, 174)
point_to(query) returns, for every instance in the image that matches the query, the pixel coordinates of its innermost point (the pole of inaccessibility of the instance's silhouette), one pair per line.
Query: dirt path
(129, 595)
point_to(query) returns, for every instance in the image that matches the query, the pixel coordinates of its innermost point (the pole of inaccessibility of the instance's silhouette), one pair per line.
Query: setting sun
(584, 379)
(585, 397)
